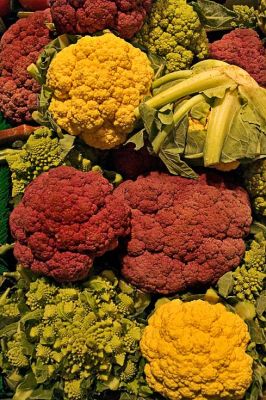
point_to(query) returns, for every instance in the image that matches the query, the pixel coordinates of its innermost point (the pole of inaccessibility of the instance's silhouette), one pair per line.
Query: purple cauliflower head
(65, 219)
(242, 47)
(125, 17)
(184, 233)
(20, 46)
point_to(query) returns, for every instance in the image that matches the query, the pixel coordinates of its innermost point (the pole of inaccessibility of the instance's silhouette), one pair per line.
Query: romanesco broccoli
(255, 182)
(81, 337)
(246, 16)
(41, 152)
(174, 32)
(249, 277)
(248, 283)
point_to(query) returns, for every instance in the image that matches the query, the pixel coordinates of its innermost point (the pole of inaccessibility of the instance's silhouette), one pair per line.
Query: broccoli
(174, 32)
(84, 338)
(41, 152)
(255, 182)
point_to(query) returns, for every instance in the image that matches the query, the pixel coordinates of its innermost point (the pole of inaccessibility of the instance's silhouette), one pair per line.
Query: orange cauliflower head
(197, 350)
(97, 83)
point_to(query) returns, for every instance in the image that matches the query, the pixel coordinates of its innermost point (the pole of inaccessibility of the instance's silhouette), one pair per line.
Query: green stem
(171, 77)
(221, 118)
(198, 83)
(178, 115)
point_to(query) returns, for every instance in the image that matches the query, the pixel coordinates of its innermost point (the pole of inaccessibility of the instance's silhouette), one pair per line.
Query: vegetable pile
(132, 200)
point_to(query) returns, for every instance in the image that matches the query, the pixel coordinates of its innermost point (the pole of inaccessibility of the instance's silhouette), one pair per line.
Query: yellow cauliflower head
(97, 83)
(196, 350)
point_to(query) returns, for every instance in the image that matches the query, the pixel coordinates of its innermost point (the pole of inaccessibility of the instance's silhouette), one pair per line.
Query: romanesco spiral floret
(255, 257)
(40, 293)
(129, 372)
(16, 357)
(73, 390)
(173, 31)
(41, 152)
(10, 311)
(248, 283)
(79, 334)
(255, 182)
(246, 16)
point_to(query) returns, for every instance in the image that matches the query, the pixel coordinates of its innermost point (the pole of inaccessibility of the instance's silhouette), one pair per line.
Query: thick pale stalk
(172, 77)
(178, 115)
(221, 118)
(196, 84)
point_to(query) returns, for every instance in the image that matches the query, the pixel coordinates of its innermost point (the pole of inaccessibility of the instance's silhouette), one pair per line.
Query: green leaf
(41, 394)
(171, 159)
(261, 304)
(137, 139)
(214, 16)
(256, 332)
(35, 315)
(41, 372)
(149, 116)
(142, 301)
(225, 284)
(9, 330)
(25, 388)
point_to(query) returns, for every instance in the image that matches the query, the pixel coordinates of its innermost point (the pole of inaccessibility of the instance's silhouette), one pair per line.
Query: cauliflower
(184, 233)
(83, 339)
(97, 83)
(125, 17)
(255, 182)
(20, 46)
(196, 351)
(67, 218)
(173, 31)
(242, 47)
(41, 152)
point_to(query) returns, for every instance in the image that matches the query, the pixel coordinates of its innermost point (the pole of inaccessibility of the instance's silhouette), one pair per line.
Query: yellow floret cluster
(97, 83)
(196, 350)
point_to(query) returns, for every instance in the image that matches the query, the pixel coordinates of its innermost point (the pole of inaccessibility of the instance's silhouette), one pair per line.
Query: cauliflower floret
(196, 351)
(86, 16)
(20, 46)
(97, 84)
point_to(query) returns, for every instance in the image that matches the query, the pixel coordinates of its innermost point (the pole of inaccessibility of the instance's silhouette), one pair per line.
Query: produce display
(132, 200)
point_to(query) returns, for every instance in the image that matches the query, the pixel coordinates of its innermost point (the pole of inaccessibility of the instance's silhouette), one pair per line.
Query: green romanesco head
(255, 182)
(248, 283)
(174, 32)
(82, 335)
(246, 16)
(41, 152)
(255, 257)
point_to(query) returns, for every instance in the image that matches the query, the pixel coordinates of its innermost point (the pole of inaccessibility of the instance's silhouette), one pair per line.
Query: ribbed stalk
(172, 77)
(198, 83)
(220, 121)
